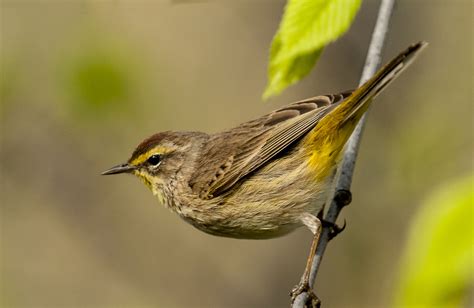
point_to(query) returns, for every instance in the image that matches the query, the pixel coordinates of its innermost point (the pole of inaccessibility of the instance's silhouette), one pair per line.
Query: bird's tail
(358, 101)
(332, 131)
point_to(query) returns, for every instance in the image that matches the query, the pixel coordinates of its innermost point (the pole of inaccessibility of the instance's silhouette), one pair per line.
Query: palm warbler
(263, 178)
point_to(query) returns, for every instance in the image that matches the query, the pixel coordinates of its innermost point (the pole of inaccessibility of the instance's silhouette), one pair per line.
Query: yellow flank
(143, 157)
(326, 141)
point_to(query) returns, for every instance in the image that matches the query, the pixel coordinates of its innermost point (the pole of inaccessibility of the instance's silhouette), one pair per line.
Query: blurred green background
(82, 82)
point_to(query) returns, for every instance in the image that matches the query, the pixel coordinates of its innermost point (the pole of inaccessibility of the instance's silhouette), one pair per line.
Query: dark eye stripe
(154, 159)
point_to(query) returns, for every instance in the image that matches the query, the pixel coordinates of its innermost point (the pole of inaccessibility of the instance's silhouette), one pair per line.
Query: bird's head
(161, 158)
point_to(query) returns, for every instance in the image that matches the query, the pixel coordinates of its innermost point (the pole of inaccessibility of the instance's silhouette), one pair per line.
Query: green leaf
(438, 266)
(306, 27)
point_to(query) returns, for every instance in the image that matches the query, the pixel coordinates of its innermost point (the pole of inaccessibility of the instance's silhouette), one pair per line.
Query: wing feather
(230, 156)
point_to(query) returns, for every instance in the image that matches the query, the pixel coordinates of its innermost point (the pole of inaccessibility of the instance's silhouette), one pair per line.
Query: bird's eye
(154, 159)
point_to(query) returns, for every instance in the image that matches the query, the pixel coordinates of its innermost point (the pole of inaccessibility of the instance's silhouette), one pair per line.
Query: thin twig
(341, 196)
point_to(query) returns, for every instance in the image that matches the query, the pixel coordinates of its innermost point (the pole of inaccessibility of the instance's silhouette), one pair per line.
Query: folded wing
(230, 156)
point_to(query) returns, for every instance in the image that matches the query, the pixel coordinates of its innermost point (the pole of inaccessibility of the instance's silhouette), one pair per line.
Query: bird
(266, 177)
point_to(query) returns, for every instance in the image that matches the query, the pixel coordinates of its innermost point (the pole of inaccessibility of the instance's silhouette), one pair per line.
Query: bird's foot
(335, 229)
(312, 301)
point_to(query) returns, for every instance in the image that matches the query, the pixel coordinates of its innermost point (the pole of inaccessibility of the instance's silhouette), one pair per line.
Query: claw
(312, 301)
(298, 289)
(335, 229)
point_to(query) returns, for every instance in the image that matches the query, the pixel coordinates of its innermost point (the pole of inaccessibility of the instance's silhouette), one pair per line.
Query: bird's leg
(315, 225)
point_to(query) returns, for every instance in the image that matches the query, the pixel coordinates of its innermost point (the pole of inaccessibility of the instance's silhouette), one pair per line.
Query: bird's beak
(123, 168)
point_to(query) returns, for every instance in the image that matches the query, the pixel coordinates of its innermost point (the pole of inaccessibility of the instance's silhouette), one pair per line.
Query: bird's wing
(230, 156)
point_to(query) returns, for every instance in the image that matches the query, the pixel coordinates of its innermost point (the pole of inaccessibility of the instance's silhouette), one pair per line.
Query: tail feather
(333, 130)
(360, 99)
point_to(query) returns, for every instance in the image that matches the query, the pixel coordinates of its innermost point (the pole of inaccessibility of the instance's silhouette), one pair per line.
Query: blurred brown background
(82, 82)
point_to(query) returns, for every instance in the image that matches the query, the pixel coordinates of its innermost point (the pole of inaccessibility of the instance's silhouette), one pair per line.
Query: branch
(341, 195)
